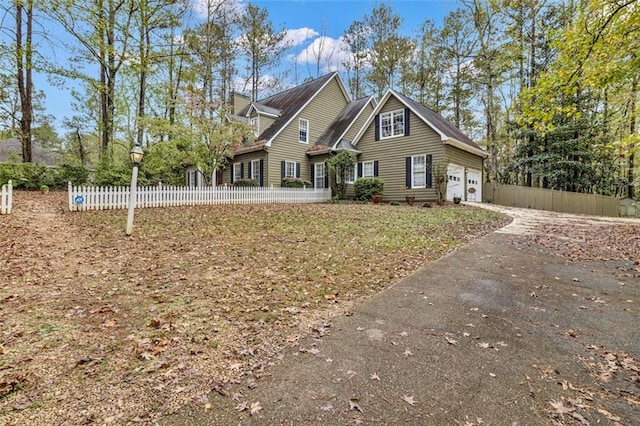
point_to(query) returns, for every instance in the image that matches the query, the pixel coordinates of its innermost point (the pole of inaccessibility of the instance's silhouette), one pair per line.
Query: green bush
(295, 183)
(74, 173)
(115, 175)
(365, 188)
(246, 182)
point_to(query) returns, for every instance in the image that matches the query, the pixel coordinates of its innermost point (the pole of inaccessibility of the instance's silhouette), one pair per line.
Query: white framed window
(368, 169)
(318, 175)
(255, 170)
(303, 134)
(237, 172)
(254, 122)
(419, 171)
(349, 175)
(392, 124)
(289, 169)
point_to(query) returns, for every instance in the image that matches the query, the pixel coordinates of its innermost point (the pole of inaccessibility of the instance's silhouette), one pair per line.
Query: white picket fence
(6, 198)
(82, 198)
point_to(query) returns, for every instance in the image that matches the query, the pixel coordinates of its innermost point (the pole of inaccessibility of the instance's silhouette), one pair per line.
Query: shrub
(365, 188)
(76, 174)
(295, 183)
(246, 182)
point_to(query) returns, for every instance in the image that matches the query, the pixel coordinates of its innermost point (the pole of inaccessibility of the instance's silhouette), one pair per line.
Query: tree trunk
(632, 131)
(24, 54)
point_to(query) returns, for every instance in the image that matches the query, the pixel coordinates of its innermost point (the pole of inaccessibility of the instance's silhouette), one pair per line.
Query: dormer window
(254, 122)
(392, 124)
(303, 133)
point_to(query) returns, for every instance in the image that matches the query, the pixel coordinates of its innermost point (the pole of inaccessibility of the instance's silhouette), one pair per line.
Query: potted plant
(44, 189)
(376, 198)
(457, 199)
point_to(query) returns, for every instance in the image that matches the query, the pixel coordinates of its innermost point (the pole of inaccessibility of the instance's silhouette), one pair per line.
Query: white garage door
(474, 185)
(455, 181)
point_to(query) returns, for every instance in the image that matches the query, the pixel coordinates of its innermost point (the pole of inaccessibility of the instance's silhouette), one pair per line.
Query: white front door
(455, 182)
(474, 185)
(318, 176)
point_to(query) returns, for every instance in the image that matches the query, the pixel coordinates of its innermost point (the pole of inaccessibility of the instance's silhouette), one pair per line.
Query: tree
(386, 47)
(24, 68)
(355, 43)
(262, 46)
(102, 29)
(458, 46)
(337, 166)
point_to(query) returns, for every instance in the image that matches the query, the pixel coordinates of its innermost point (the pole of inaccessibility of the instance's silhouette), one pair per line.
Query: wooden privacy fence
(6, 198)
(552, 200)
(82, 198)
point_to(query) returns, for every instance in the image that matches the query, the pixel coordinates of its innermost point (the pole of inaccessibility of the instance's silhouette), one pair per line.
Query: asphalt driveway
(500, 332)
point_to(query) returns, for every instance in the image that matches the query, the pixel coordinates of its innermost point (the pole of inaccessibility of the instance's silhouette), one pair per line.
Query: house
(398, 140)
(405, 143)
(296, 131)
(11, 152)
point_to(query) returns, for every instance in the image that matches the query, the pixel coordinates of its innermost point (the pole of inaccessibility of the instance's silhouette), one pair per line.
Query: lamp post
(136, 157)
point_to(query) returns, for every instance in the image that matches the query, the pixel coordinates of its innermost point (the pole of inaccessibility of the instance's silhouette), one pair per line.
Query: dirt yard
(99, 328)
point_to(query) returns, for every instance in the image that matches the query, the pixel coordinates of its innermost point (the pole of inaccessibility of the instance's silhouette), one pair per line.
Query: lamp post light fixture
(136, 157)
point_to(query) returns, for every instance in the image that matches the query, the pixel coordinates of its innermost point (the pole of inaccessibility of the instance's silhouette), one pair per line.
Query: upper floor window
(254, 122)
(303, 134)
(392, 124)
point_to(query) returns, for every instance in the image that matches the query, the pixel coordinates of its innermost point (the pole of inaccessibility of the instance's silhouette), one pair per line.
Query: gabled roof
(343, 122)
(290, 102)
(449, 134)
(266, 110)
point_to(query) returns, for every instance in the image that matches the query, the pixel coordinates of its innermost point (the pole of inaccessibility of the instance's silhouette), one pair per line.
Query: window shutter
(375, 169)
(298, 170)
(377, 124)
(313, 175)
(407, 115)
(283, 166)
(249, 170)
(408, 172)
(428, 173)
(359, 170)
(326, 176)
(261, 172)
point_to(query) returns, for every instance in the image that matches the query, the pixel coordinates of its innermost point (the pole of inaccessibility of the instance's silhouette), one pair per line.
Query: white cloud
(330, 51)
(297, 36)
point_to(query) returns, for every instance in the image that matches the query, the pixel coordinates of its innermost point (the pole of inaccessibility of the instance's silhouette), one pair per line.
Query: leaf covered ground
(103, 328)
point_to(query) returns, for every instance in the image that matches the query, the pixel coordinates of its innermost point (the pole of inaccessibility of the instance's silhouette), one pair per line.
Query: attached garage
(455, 181)
(474, 185)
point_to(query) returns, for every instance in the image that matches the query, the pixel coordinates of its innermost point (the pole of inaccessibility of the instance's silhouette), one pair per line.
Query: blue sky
(305, 20)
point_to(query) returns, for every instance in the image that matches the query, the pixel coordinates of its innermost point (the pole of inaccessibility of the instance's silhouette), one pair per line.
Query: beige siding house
(398, 140)
(405, 144)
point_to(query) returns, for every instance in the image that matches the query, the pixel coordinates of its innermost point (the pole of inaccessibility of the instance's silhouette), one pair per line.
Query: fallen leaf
(483, 345)
(560, 408)
(451, 341)
(354, 404)
(374, 376)
(408, 399)
(407, 352)
(255, 407)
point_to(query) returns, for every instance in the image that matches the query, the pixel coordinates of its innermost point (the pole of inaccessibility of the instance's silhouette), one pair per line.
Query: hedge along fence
(82, 198)
(6, 198)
